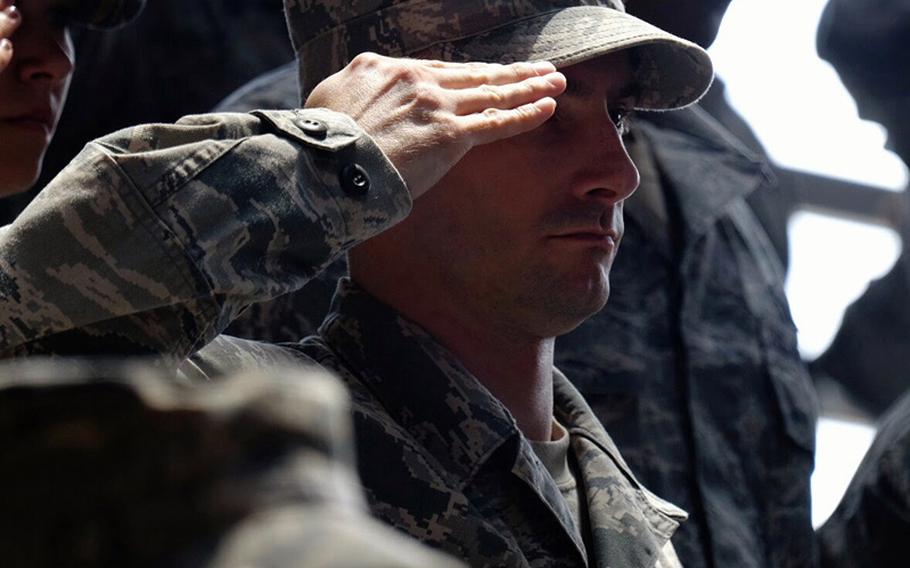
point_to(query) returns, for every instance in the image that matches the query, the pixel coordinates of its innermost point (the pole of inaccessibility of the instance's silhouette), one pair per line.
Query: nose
(612, 176)
(44, 59)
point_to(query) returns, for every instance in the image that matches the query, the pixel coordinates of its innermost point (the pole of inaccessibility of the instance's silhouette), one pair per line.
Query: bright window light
(795, 102)
(807, 121)
(832, 262)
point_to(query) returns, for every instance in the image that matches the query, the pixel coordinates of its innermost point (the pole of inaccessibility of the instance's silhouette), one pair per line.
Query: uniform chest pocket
(796, 398)
(762, 280)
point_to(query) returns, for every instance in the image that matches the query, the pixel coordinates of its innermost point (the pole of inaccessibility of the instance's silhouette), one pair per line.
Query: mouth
(37, 120)
(590, 237)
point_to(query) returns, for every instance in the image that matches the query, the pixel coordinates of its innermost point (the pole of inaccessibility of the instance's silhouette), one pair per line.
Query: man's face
(32, 92)
(696, 20)
(524, 231)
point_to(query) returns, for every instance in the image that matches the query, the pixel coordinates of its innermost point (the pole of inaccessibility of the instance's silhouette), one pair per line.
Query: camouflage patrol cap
(327, 34)
(101, 14)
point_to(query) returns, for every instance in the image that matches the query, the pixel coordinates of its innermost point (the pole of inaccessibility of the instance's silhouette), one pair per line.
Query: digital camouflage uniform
(121, 464)
(866, 42)
(162, 233)
(692, 366)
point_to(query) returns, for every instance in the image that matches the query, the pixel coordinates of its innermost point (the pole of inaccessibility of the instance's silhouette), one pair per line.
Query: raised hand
(426, 115)
(9, 21)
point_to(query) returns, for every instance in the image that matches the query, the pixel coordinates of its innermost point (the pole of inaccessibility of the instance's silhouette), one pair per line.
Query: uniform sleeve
(155, 237)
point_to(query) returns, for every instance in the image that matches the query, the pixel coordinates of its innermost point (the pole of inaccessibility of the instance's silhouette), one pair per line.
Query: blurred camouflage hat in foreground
(100, 14)
(672, 72)
(110, 463)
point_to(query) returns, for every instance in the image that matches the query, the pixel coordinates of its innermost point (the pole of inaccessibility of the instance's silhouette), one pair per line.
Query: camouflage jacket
(869, 528)
(155, 237)
(693, 365)
(161, 234)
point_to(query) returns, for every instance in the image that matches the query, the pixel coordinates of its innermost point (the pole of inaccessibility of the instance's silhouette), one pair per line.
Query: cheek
(493, 201)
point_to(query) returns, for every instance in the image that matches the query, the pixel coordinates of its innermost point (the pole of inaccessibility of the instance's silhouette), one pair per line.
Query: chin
(575, 305)
(20, 170)
(14, 182)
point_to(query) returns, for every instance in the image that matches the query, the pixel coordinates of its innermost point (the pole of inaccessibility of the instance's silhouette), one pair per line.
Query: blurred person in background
(868, 43)
(35, 70)
(179, 58)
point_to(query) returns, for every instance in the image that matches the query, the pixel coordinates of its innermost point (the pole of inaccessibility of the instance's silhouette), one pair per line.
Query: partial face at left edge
(32, 93)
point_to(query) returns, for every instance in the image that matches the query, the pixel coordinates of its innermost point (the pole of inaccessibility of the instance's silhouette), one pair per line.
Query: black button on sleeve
(313, 127)
(354, 179)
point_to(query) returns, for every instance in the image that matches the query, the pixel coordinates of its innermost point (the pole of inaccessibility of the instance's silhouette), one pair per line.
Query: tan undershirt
(562, 466)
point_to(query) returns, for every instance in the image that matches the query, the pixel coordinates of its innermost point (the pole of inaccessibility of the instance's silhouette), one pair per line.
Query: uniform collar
(420, 383)
(707, 166)
(630, 526)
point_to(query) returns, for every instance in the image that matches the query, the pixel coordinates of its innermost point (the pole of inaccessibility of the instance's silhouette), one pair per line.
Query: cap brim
(105, 14)
(672, 72)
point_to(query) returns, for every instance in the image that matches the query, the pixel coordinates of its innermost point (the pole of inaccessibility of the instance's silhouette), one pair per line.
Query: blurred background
(794, 101)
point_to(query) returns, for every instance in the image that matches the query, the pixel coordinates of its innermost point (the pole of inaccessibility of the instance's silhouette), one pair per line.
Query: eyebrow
(631, 90)
(583, 89)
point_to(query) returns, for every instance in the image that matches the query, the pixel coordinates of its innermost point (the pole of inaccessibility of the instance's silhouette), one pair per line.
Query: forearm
(155, 237)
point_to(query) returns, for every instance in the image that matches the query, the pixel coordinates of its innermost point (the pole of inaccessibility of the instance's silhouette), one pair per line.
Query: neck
(517, 372)
(516, 368)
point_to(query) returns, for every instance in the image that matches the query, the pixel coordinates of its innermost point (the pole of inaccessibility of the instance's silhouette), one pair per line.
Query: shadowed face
(32, 92)
(523, 232)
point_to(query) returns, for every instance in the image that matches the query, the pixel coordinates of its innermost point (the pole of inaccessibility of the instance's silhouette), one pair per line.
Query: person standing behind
(179, 58)
(36, 65)
(867, 43)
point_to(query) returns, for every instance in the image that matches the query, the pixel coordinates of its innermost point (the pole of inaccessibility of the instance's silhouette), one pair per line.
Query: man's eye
(621, 119)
